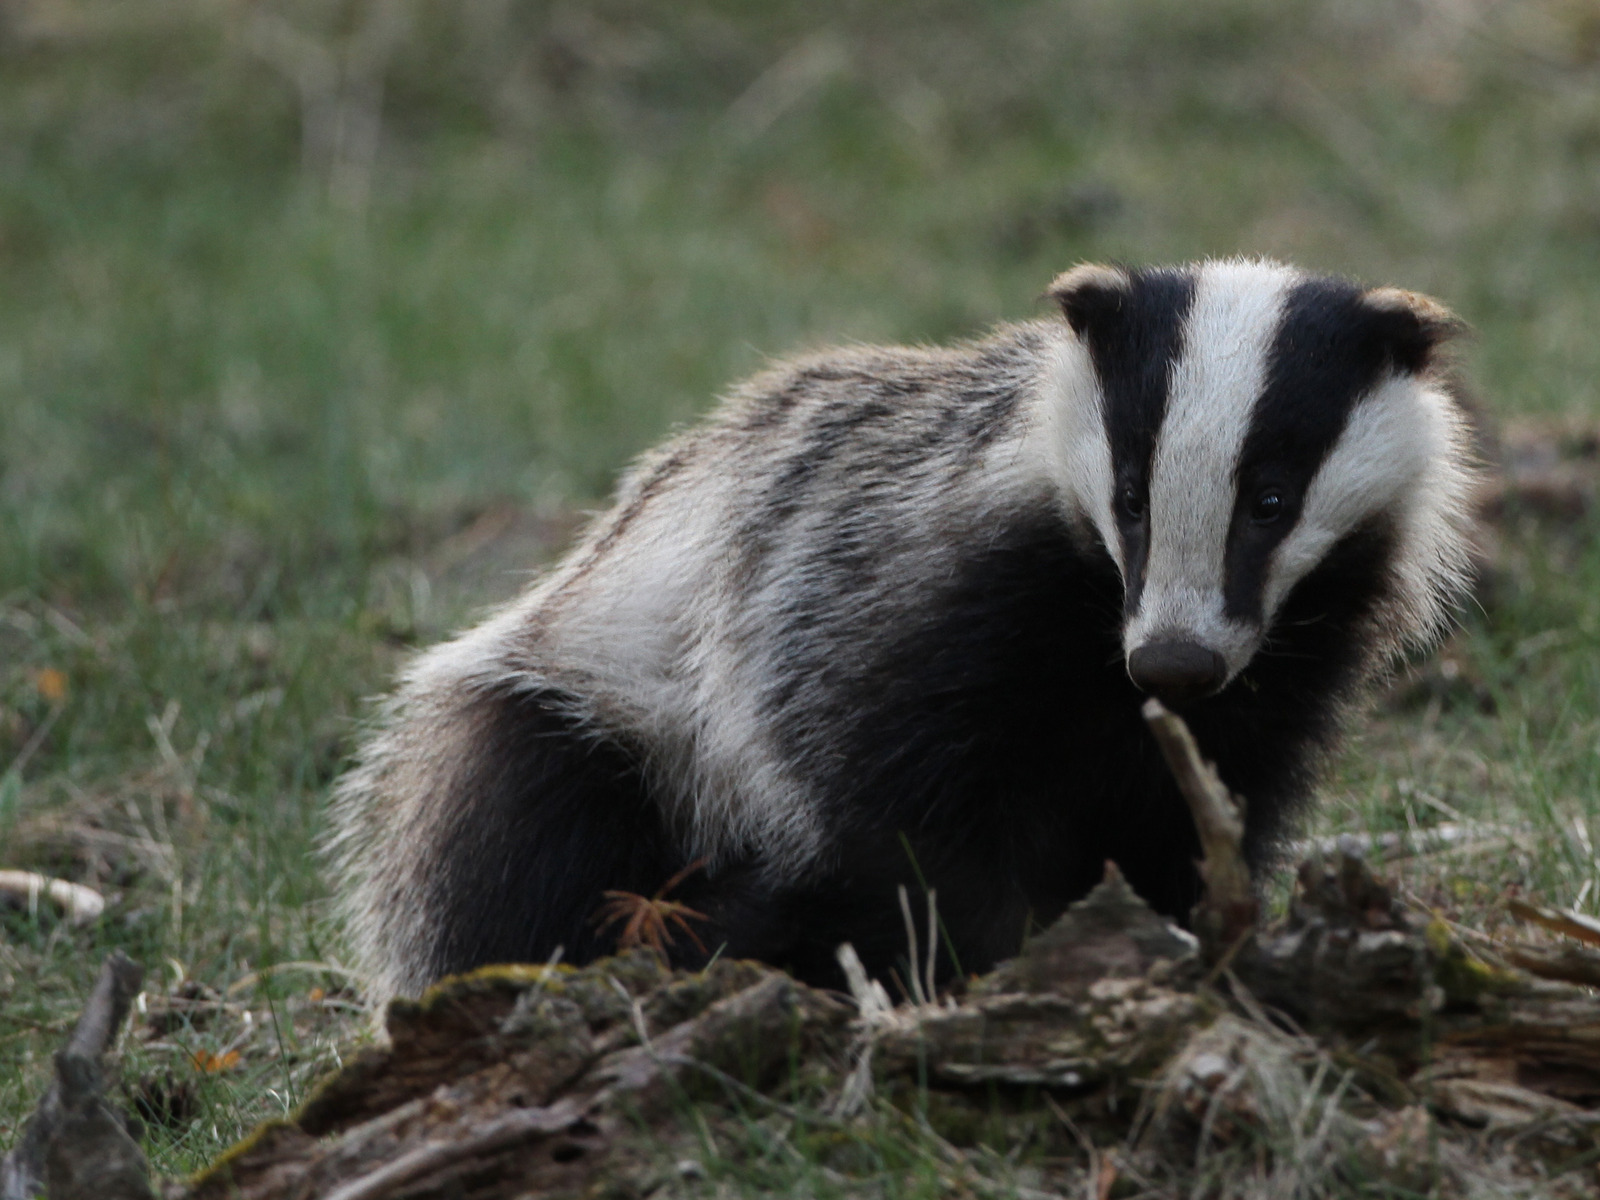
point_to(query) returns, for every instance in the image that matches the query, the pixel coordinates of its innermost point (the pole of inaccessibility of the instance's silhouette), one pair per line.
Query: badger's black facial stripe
(1330, 349)
(1133, 346)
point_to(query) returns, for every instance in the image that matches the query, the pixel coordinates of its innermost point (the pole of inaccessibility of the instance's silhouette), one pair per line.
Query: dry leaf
(211, 1064)
(51, 684)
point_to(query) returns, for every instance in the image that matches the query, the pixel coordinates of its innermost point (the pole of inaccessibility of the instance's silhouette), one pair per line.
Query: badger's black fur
(878, 623)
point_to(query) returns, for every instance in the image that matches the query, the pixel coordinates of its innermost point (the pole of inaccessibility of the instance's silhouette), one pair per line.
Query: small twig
(1452, 836)
(1558, 920)
(875, 1009)
(871, 999)
(1566, 963)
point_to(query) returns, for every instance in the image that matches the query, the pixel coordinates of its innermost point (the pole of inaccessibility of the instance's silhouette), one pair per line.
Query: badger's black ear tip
(1412, 326)
(1087, 292)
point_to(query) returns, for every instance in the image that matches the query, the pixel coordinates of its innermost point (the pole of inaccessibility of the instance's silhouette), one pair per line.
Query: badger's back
(866, 626)
(743, 567)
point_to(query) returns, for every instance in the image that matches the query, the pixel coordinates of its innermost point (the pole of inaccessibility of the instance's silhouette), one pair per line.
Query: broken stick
(25, 889)
(75, 1146)
(1228, 910)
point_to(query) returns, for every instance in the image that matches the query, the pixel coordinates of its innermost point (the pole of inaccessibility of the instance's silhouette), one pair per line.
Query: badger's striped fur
(879, 621)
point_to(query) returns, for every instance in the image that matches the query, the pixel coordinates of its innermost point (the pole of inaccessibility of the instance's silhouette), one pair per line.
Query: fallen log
(520, 1079)
(1406, 1039)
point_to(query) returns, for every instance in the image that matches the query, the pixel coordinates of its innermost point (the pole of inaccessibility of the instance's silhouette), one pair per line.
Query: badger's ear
(1411, 327)
(1089, 294)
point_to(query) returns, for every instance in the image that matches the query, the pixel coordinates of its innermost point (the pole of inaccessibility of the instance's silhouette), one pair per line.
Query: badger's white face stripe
(1079, 452)
(1213, 391)
(1385, 447)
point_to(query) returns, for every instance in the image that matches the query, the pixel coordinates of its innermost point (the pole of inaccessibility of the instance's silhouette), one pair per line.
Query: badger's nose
(1177, 670)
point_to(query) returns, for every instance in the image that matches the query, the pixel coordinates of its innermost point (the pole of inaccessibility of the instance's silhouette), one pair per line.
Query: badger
(887, 619)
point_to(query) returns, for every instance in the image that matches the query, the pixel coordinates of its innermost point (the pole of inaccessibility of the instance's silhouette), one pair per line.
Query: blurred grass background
(320, 321)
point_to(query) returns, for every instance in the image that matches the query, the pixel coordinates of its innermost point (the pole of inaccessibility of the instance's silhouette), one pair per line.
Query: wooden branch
(1228, 910)
(102, 1017)
(74, 1143)
(1567, 963)
(1454, 837)
(26, 888)
(1558, 920)
(507, 1129)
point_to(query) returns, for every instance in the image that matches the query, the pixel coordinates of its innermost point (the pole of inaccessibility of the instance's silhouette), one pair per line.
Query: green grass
(270, 414)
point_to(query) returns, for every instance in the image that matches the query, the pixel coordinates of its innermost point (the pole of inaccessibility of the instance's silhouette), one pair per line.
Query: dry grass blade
(915, 992)
(1458, 837)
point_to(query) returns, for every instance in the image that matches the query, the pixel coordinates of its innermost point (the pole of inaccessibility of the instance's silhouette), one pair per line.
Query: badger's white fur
(799, 644)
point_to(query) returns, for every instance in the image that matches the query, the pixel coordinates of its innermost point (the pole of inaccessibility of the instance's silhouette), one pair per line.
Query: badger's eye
(1268, 507)
(1132, 502)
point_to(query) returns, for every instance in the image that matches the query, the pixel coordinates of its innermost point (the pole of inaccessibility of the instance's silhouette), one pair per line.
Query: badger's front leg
(520, 816)
(982, 912)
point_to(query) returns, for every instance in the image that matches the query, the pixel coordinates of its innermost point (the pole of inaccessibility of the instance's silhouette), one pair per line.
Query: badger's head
(1227, 427)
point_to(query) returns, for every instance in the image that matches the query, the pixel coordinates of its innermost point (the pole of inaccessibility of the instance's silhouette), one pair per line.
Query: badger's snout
(1177, 670)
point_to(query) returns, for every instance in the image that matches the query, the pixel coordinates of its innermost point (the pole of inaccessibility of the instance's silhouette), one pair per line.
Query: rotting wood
(75, 1146)
(514, 1081)
(1100, 1006)
(432, 1157)
(655, 1038)
(1110, 934)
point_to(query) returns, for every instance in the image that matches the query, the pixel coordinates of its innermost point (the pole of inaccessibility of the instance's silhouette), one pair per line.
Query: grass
(279, 401)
